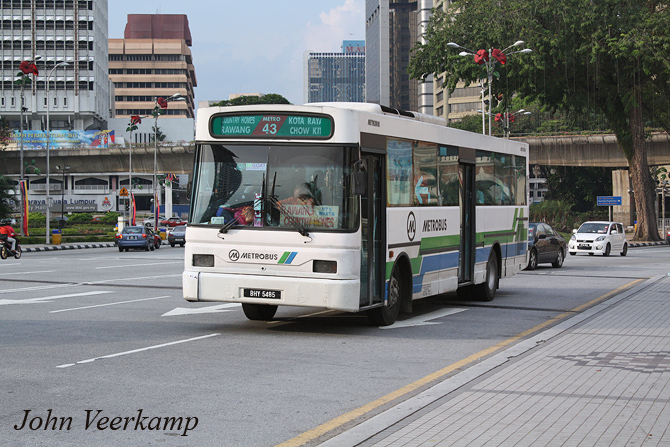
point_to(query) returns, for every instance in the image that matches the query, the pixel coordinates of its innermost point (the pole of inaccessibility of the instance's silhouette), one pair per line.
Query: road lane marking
(138, 265)
(347, 418)
(134, 351)
(27, 273)
(424, 320)
(108, 304)
(200, 310)
(86, 283)
(47, 299)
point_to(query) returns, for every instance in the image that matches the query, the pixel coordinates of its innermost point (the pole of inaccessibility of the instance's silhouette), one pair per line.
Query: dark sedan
(177, 236)
(545, 245)
(135, 237)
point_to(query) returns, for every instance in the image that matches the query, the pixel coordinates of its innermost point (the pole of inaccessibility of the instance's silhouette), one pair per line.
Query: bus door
(466, 263)
(372, 232)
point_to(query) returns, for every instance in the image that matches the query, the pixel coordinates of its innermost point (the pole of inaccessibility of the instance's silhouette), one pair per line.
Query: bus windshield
(305, 187)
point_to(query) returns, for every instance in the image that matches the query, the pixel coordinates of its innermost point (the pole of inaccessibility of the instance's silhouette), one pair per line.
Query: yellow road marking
(339, 421)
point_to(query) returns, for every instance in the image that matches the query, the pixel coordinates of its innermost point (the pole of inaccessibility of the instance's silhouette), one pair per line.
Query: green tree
(607, 56)
(270, 98)
(579, 186)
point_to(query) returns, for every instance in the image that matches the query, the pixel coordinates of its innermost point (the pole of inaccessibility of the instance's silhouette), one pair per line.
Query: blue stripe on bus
(290, 257)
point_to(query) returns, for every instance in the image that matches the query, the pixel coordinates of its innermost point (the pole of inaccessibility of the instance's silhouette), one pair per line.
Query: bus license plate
(262, 293)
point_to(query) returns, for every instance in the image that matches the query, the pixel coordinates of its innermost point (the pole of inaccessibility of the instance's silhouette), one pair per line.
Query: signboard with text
(272, 125)
(61, 139)
(608, 201)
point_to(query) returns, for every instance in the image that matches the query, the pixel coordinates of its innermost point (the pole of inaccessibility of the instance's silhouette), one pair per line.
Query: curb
(646, 244)
(66, 247)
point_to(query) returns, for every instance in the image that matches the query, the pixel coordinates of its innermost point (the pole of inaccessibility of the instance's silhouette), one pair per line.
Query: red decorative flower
(511, 118)
(162, 102)
(499, 117)
(499, 56)
(482, 56)
(135, 120)
(28, 68)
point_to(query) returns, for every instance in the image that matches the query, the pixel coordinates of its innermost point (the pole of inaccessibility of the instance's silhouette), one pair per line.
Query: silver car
(599, 237)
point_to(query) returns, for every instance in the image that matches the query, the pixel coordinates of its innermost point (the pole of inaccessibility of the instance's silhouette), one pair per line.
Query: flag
(24, 198)
(134, 210)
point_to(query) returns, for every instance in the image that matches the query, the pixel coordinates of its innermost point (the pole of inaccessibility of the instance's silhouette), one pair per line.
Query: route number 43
(270, 129)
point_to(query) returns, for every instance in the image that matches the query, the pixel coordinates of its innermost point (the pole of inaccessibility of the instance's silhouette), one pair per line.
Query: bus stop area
(600, 377)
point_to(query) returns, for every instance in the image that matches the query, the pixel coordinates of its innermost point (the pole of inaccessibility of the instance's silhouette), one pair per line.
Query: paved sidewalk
(600, 378)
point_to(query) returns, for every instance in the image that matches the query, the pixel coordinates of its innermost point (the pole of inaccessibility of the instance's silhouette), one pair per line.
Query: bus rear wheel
(259, 312)
(386, 315)
(486, 291)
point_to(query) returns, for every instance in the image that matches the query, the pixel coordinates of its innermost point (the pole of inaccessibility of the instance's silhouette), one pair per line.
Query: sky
(253, 46)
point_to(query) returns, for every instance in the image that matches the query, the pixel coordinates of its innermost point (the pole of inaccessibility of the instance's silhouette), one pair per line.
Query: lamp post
(489, 59)
(160, 105)
(48, 200)
(512, 115)
(27, 68)
(62, 193)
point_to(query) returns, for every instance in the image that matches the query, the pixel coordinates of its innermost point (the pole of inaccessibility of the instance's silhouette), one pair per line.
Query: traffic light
(127, 206)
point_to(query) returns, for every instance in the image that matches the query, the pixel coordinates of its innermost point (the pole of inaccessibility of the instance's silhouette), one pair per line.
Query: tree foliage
(270, 98)
(608, 56)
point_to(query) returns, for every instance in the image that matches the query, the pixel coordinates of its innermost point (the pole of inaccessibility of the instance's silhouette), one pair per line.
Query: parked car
(172, 222)
(545, 245)
(599, 237)
(135, 237)
(177, 236)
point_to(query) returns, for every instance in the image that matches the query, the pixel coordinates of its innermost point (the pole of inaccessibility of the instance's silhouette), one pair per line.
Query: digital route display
(271, 125)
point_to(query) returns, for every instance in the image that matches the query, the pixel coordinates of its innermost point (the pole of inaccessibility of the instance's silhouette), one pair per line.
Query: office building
(336, 77)
(392, 29)
(72, 31)
(153, 60)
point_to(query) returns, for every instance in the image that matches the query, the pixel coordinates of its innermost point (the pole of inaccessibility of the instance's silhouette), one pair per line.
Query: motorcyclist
(7, 233)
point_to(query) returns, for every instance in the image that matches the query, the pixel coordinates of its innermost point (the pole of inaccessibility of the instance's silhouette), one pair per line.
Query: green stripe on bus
(283, 257)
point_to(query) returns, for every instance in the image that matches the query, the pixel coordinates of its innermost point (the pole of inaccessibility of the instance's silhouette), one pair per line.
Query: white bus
(349, 206)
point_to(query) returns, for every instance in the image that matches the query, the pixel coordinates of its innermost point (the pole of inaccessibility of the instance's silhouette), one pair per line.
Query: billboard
(63, 139)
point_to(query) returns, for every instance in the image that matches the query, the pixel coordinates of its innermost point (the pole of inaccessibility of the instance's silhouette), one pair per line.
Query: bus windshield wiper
(224, 229)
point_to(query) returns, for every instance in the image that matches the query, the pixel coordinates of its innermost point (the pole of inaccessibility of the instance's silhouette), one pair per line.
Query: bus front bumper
(333, 294)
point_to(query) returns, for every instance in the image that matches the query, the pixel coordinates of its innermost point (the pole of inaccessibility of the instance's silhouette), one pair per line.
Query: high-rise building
(153, 60)
(336, 77)
(392, 29)
(54, 32)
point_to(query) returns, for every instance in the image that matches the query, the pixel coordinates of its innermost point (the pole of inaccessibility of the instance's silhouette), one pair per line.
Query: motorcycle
(6, 250)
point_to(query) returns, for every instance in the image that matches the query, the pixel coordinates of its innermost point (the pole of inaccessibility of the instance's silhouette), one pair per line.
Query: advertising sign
(63, 139)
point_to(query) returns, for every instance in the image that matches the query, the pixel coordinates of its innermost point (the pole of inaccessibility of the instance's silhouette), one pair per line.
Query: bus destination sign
(272, 125)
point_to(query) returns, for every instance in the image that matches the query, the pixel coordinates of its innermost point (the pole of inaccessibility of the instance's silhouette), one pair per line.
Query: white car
(599, 237)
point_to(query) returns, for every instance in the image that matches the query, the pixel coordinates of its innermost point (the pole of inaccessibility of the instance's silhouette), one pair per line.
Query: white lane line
(108, 304)
(200, 310)
(118, 354)
(27, 273)
(137, 265)
(47, 299)
(87, 283)
(423, 320)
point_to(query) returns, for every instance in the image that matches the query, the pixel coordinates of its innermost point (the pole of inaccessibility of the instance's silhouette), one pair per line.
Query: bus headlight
(203, 260)
(324, 266)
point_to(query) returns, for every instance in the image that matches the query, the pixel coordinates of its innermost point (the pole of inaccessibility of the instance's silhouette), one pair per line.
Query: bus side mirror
(360, 182)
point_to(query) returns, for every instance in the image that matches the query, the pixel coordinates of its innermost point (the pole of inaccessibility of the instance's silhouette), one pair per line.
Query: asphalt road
(94, 334)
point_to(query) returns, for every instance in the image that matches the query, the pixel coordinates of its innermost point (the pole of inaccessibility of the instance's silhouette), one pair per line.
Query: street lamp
(512, 115)
(48, 200)
(160, 105)
(26, 67)
(489, 59)
(62, 195)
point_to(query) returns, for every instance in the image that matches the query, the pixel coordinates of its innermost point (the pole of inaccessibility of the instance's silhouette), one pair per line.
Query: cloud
(344, 22)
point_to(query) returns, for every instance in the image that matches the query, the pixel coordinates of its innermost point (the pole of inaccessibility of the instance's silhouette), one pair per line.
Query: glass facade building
(336, 77)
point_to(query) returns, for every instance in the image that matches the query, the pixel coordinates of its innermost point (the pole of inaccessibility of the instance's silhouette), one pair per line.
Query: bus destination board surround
(271, 125)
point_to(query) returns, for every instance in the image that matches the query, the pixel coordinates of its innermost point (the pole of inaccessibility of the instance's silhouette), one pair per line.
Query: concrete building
(392, 29)
(66, 31)
(153, 60)
(335, 77)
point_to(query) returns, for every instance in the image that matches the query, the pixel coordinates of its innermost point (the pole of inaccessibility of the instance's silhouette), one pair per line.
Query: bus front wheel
(386, 315)
(260, 312)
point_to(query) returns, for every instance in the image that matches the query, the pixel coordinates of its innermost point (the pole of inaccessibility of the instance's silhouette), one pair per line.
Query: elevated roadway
(569, 150)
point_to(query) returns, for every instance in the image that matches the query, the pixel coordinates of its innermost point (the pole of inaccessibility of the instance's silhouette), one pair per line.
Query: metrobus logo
(235, 255)
(411, 226)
